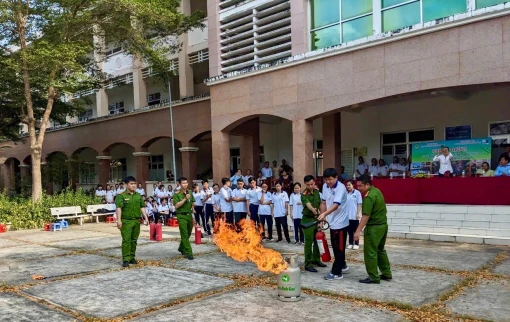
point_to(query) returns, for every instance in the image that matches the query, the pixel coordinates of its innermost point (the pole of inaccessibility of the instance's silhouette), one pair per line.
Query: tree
(48, 46)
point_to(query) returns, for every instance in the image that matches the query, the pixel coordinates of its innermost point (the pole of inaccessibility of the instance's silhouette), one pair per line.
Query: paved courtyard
(432, 281)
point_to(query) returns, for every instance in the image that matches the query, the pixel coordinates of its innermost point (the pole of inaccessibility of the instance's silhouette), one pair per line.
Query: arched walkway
(160, 158)
(11, 175)
(84, 168)
(56, 172)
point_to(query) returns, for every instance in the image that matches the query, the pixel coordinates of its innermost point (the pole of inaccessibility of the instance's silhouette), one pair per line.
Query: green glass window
(325, 12)
(389, 3)
(354, 8)
(400, 17)
(435, 9)
(488, 3)
(357, 28)
(326, 37)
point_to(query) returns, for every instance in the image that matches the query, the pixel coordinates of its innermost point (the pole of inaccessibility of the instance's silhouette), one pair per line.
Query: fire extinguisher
(323, 243)
(152, 231)
(159, 232)
(198, 235)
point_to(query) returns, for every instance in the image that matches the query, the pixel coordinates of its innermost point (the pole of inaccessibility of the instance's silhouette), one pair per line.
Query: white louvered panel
(348, 161)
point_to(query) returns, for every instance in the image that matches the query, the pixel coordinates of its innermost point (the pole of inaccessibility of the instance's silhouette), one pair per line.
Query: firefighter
(184, 207)
(311, 201)
(374, 218)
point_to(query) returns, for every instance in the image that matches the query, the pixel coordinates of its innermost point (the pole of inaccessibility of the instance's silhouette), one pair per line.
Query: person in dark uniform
(130, 205)
(184, 205)
(374, 218)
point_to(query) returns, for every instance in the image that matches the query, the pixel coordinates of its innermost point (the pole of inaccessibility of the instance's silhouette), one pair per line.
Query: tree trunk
(36, 174)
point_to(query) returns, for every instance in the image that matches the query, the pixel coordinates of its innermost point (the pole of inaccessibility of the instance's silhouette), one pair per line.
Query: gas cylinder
(152, 231)
(323, 246)
(198, 235)
(289, 280)
(159, 232)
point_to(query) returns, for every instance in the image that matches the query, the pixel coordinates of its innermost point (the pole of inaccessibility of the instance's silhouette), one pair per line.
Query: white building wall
(124, 151)
(164, 147)
(122, 94)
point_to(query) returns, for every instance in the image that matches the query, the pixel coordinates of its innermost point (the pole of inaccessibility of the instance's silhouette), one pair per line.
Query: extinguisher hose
(325, 225)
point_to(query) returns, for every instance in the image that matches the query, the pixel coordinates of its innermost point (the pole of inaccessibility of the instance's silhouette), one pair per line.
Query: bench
(92, 210)
(68, 213)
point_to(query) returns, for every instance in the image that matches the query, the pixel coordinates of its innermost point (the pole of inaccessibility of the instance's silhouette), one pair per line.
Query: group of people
(378, 168)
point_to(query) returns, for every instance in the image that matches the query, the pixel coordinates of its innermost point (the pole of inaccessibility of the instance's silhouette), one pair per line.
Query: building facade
(309, 81)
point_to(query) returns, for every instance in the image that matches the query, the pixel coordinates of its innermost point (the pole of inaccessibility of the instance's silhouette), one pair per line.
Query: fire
(244, 245)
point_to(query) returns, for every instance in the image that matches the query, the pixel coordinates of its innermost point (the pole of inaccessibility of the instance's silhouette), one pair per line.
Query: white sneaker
(345, 269)
(349, 247)
(355, 247)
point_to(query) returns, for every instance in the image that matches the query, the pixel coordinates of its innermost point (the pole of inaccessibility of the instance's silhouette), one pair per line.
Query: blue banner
(461, 132)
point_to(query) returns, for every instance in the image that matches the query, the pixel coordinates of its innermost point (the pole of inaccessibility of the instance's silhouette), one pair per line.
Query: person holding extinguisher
(184, 205)
(311, 201)
(333, 207)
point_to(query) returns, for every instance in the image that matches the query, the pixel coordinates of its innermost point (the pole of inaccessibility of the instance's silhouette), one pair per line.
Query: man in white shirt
(226, 201)
(100, 193)
(239, 196)
(236, 176)
(140, 190)
(361, 168)
(445, 162)
(333, 207)
(267, 172)
(121, 188)
(253, 201)
(208, 201)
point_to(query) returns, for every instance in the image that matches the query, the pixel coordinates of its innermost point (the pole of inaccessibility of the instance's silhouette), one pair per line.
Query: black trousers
(353, 225)
(238, 216)
(281, 222)
(269, 219)
(209, 215)
(298, 231)
(161, 217)
(229, 216)
(254, 214)
(338, 239)
(200, 218)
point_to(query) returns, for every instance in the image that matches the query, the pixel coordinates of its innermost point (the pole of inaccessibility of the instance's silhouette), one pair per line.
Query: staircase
(455, 223)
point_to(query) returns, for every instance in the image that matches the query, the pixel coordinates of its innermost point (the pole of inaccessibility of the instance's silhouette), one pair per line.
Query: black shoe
(368, 281)
(190, 257)
(311, 269)
(288, 241)
(133, 261)
(320, 264)
(386, 278)
(125, 264)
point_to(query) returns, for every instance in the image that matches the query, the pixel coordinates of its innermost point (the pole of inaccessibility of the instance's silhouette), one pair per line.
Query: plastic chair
(64, 224)
(47, 227)
(56, 226)
(110, 219)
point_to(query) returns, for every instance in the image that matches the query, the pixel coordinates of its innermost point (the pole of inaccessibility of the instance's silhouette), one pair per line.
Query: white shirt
(253, 197)
(338, 219)
(264, 209)
(361, 168)
(110, 196)
(148, 208)
(161, 194)
(210, 200)
(216, 202)
(141, 191)
(267, 172)
(198, 198)
(165, 208)
(120, 190)
(246, 179)
(280, 201)
(373, 170)
(353, 200)
(100, 193)
(395, 166)
(445, 163)
(239, 206)
(383, 170)
(226, 206)
(402, 168)
(297, 206)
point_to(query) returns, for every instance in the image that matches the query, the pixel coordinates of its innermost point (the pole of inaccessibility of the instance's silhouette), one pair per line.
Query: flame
(244, 245)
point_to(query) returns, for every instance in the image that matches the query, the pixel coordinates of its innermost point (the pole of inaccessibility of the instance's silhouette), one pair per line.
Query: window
(87, 172)
(338, 21)
(116, 108)
(488, 3)
(156, 168)
(84, 116)
(262, 156)
(154, 99)
(401, 16)
(113, 51)
(399, 144)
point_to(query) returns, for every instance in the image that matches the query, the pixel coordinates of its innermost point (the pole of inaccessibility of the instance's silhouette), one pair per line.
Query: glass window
(400, 17)
(325, 12)
(435, 9)
(389, 3)
(357, 28)
(421, 136)
(488, 3)
(326, 37)
(391, 138)
(354, 8)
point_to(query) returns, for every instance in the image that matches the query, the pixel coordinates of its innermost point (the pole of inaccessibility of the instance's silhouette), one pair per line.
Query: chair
(47, 227)
(64, 224)
(56, 226)
(110, 219)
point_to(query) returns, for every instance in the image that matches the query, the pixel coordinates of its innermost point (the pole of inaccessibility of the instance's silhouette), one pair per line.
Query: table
(400, 191)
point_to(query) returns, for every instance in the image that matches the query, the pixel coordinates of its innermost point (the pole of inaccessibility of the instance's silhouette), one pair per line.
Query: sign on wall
(361, 151)
(465, 152)
(460, 132)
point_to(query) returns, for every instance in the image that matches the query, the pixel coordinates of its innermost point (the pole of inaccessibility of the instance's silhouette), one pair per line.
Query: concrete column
(189, 162)
(186, 85)
(220, 155)
(332, 141)
(99, 57)
(299, 27)
(102, 102)
(104, 168)
(302, 148)
(139, 87)
(250, 153)
(142, 166)
(213, 22)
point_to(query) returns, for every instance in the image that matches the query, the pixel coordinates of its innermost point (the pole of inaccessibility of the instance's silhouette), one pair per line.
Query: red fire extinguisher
(152, 231)
(159, 232)
(323, 246)
(198, 235)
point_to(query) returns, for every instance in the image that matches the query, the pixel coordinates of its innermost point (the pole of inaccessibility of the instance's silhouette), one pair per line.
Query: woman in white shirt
(395, 168)
(199, 206)
(374, 168)
(382, 169)
(161, 193)
(361, 168)
(353, 208)
(110, 194)
(246, 178)
(280, 200)
(140, 190)
(265, 212)
(445, 161)
(296, 213)
(170, 191)
(148, 210)
(216, 205)
(154, 190)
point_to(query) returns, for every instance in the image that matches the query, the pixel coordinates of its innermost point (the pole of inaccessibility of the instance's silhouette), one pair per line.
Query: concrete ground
(432, 281)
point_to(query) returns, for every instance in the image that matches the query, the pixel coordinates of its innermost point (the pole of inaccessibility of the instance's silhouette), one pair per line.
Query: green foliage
(23, 213)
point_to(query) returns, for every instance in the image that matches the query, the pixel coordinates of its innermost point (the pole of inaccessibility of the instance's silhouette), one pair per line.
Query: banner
(466, 153)
(461, 132)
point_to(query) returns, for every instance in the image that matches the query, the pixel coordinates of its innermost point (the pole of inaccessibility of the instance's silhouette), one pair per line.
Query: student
(275, 170)
(260, 177)
(163, 212)
(161, 193)
(265, 210)
(110, 194)
(373, 170)
(226, 201)
(361, 168)
(395, 169)
(253, 201)
(148, 210)
(169, 191)
(246, 178)
(239, 197)
(116, 189)
(333, 207)
(383, 168)
(140, 190)
(238, 175)
(207, 200)
(199, 206)
(343, 175)
(280, 201)
(216, 204)
(266, 171)
(404, 169)
(296, 213)
(154, 190)
(100, 193)
(353, 207)
(121, 188)
(184, 202)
